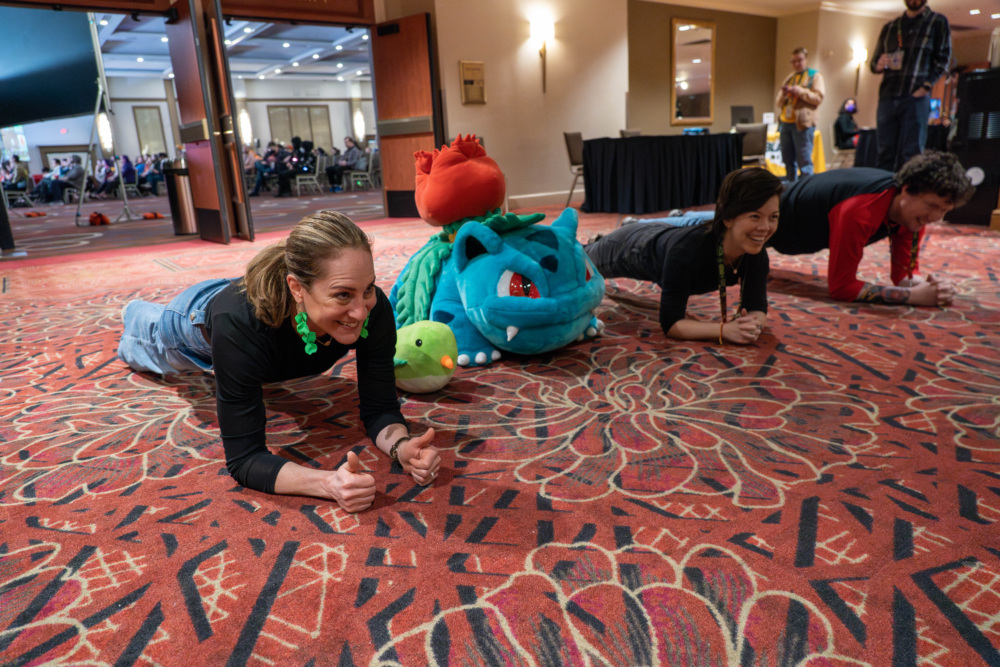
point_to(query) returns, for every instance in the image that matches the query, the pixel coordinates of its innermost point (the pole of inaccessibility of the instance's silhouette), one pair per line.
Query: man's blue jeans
(168, 339)
(796, 150)
(902, 129)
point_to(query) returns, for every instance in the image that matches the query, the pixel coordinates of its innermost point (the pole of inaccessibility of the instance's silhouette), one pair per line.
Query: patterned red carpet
(828, 497)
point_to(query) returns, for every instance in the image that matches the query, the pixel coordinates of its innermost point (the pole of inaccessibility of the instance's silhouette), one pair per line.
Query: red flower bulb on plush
(457, 182)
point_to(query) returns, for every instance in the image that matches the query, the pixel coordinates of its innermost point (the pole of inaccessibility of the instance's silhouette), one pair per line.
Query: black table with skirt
(650, 174)
(866, 154)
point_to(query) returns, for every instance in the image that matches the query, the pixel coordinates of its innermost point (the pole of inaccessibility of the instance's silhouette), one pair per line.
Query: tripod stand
(102, 87)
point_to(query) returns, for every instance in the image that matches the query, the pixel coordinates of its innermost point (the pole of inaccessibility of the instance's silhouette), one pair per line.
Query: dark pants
(902, 129)
(335, 174)
(154, 181)
(622, 253)
(262, 173)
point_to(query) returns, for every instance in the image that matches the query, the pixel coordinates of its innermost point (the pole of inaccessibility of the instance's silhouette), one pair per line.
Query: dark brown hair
(742, 191)
(939, 173)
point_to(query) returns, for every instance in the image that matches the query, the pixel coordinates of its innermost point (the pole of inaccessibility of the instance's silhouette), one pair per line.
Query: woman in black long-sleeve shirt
(303, 304)
(698, 259)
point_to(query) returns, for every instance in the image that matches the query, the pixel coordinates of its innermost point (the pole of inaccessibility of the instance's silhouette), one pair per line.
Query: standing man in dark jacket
(912, 53)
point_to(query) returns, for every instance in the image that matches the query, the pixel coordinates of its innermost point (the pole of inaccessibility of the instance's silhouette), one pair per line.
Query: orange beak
(447, 362)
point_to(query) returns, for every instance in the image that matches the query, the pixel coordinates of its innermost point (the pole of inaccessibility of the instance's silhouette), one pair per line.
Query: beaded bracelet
(393, 454)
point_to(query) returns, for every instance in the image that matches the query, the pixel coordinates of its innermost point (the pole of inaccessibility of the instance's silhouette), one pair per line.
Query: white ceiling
(258, 50)
(137, 47)
(957, 11)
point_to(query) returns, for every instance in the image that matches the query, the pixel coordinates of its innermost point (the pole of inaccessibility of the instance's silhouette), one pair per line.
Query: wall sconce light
(859, 56)
(246, 130)
(542, 30)
(104, 133)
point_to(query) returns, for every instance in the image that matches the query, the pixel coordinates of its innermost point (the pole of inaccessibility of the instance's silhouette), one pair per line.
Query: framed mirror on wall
(692, 97)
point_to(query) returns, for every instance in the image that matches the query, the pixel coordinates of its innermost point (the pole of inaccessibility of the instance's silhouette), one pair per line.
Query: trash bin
(178, 183)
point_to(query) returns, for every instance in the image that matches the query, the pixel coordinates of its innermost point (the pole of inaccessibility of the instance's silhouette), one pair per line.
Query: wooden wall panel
(357, 12)
(398, 150)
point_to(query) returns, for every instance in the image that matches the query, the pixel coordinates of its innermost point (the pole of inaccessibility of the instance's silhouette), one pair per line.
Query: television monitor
(935, 109)
(741, 114)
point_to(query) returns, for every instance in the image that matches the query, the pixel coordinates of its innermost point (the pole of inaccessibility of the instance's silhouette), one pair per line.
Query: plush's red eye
(516, 284)
(522, 286)
(587, 279)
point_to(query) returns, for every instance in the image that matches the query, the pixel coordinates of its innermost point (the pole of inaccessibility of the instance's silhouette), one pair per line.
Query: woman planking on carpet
(302, 305)
(697, 259)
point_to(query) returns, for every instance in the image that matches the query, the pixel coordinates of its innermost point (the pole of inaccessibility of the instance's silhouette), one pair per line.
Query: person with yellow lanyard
(799, 96)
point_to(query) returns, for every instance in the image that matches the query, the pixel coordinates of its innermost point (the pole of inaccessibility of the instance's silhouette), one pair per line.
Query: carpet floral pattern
(827, 497)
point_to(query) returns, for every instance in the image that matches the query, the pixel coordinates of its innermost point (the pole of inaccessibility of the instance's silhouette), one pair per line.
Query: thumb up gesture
(420, 458)
(353, 490)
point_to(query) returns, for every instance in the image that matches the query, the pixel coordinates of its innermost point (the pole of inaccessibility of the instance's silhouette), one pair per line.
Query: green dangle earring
(308, 337)
(364, 328)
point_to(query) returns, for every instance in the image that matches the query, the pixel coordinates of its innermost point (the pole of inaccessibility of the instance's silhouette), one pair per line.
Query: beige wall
(744, 55)
(838, 33)
(587, 74)
(970, 48)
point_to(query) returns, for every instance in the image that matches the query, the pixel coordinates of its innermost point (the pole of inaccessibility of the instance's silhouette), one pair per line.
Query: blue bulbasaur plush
(503, 283)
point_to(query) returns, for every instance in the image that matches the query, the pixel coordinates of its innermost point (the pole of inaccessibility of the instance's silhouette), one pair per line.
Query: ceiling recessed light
(696, 61)
(364, 36)
(286, 45)
(248, 30)
(315, 56)
(359, 72)
(138, 60)
(164, 39)
(170, 76)
(995, 16)
(973, 11)
(340, 47)
(340, 78)
(261, 76)
(240, 76)
(295, 64)
(229, 41)
(102, 22)
(339, 65)
(277, 70)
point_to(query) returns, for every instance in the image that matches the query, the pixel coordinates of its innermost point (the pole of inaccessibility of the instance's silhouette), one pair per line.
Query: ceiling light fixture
(277, 70)
(170, 76)
(315, 56)
(359, 72)
(248, 30)
(286, 45)
(340, 78)
(364, 36)
(261, 76)
(974, 12)
(164, 40)
(228, 42)
(683, 85)
(340, 47)
(995, 16)
(102, 22)
(339, 65)
(295, 64)
(138, 60)
(696, 61)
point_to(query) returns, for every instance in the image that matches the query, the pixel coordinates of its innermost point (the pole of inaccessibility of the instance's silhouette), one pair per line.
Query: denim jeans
(688, 219)
(796, 150)
(901, 129)
(168, 339)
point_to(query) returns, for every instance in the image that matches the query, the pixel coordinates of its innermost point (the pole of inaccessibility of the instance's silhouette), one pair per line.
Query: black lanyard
(723, 308)
(914, 249)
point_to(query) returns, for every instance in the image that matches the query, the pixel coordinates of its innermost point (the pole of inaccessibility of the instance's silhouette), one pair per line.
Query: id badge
(896, 59)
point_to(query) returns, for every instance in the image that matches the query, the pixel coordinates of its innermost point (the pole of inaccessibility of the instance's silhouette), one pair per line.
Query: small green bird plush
(426, 355)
